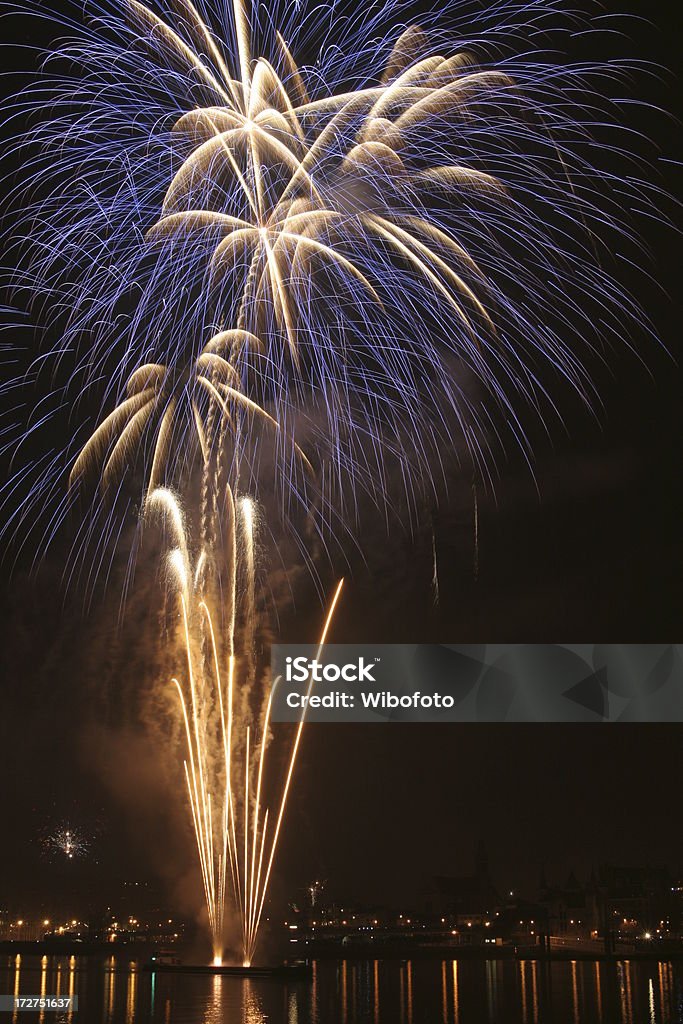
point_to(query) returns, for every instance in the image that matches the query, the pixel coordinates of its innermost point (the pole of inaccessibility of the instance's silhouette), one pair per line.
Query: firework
(154, 389)
(315, 890)
(66, 842)
(226, 728)
(396, 245)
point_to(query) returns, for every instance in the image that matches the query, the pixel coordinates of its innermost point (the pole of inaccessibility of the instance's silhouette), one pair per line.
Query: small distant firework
(315, 890)
(67, 842)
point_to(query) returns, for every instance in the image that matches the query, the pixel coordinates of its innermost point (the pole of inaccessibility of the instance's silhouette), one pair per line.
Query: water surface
(117, 990)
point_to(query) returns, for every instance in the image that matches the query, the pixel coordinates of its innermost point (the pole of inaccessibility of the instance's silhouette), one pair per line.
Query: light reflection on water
(118, 990)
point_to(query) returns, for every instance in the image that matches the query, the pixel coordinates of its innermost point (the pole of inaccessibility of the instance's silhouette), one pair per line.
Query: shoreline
(400, 954)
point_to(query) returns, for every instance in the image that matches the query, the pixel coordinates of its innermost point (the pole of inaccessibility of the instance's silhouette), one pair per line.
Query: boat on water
(164, 958)
(165, 962)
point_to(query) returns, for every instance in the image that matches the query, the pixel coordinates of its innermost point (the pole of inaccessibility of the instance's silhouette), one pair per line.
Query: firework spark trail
(290, 771)
(248, 519)
(231, 827)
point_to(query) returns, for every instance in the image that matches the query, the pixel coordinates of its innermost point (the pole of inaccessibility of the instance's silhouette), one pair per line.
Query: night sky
(588, 551)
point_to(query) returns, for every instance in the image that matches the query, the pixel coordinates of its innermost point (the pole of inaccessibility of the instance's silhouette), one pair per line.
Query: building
(463, 901)
(571, 910)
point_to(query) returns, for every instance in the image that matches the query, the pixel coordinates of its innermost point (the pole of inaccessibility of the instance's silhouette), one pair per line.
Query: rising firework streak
(226, 740)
